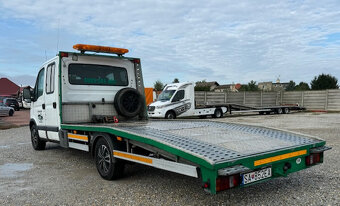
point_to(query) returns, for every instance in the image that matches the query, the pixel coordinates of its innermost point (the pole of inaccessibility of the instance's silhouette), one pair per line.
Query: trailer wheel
(279, 111)
(170, 115)
(10, 113)
(108, 167)
(37, 143)
(128, 102)
(218, 113)
(286, 110)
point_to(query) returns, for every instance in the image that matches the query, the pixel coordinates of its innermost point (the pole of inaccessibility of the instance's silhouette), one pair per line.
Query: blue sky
(224, 41)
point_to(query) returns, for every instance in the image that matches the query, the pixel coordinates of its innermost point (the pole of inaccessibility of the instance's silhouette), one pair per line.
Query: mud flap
(63, 140)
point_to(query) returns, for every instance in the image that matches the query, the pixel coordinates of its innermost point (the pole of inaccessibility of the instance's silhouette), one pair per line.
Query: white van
(178, 100)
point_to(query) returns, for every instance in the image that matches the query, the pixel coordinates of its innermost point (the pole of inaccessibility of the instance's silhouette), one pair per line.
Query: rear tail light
(137, 61)
(313, 159)
(227, 182)
(63, 54)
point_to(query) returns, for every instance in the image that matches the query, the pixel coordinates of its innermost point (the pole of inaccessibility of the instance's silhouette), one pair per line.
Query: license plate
(256, 175)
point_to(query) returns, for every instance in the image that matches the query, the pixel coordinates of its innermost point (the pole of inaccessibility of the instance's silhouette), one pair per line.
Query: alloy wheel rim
(34, 137)
(104, 159)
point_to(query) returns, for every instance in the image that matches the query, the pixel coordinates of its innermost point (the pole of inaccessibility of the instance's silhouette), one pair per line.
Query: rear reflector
(227, 182)
(313, 159)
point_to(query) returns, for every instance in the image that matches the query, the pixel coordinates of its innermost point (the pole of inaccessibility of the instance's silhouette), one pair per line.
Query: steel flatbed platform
(212, 146)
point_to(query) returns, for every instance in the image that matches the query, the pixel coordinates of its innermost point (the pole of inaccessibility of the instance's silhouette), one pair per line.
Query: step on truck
(95, 102)
(178, 100)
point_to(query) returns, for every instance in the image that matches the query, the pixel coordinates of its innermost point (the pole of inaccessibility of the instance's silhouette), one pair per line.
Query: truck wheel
(128, 102)
(108, 167)
(286, 110)
(10, 113)
(218, 113)
(279, 111)
(37, 143)
(170, 115)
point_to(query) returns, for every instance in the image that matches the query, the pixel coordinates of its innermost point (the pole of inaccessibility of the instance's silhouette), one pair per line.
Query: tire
(170, 115)
(128, 102)
(37, 143)
(267, 112)
(108, 167)
(261, 113)
(279, 111)
(10, 113)
(218, 113)
(286, 110)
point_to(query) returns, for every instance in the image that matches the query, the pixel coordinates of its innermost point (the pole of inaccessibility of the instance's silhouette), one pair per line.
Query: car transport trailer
(280, 109)
(95, 103)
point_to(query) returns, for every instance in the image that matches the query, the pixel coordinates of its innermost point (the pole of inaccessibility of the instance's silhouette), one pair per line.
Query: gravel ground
(58, 176)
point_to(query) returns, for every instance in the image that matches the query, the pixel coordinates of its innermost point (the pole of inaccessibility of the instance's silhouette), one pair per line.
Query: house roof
(8, 88)
(209, 84)
(225, 86)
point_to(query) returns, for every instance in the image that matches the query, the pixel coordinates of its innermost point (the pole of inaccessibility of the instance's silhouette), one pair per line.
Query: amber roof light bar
(102, 49)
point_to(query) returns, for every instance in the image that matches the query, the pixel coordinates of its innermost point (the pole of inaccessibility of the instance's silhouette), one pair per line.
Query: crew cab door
(51, 97)
(38, 103)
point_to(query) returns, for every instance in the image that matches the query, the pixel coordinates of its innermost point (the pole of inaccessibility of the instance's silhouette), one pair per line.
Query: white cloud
(214, 40)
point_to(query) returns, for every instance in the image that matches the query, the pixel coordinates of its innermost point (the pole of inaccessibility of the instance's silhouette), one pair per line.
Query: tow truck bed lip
(140, 132)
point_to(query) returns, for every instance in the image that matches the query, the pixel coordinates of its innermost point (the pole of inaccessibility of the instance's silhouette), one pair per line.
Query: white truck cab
(78, 88)
(178, 100)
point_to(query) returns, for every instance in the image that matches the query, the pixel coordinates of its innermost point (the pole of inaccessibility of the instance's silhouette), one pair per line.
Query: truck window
(50, 71)
(178, 96)
(166, 95)
(39, 85)
(91, 74)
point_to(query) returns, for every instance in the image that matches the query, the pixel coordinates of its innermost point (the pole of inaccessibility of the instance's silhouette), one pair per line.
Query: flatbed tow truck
(178, 100)
(95, 103)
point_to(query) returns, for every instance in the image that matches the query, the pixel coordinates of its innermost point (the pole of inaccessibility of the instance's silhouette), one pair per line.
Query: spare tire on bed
(128, 102)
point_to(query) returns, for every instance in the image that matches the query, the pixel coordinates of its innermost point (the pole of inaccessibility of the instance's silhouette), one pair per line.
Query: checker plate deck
(215, 142)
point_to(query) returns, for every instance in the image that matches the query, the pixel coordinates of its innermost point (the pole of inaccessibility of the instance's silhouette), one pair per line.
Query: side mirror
(27, 93)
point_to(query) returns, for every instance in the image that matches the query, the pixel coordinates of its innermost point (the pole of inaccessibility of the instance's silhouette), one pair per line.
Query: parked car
(20, 102)
(11, 102)
(6, 110)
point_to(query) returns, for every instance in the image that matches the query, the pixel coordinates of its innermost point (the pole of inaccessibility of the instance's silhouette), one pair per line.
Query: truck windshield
(166, 95)
(91, 74)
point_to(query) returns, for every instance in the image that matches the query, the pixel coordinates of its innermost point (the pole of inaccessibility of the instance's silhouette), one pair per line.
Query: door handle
(43, 106)
(54, 105)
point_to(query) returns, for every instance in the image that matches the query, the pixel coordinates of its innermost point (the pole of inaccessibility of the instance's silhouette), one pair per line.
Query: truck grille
(151, 108)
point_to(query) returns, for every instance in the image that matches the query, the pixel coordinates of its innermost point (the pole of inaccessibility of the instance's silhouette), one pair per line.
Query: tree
(303, 86)
(175, 81)
(251, 86)
(324, 81)
(158, 85)
(202, 86)
(291, 86)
